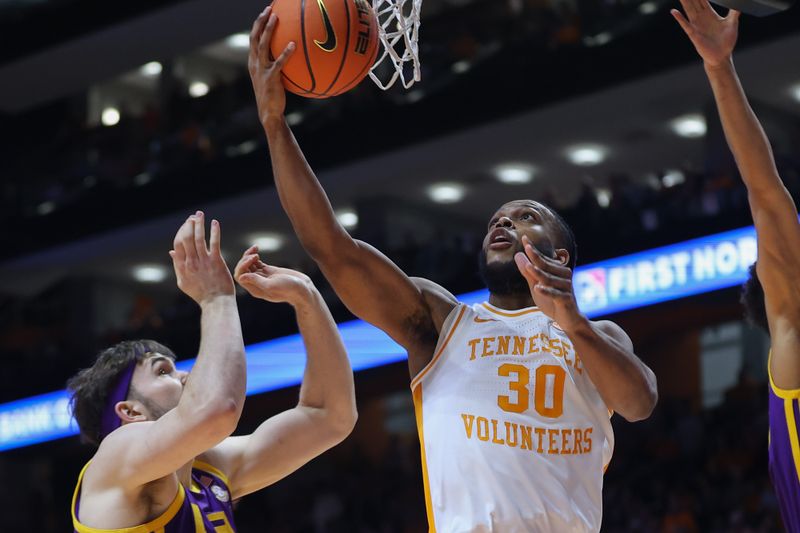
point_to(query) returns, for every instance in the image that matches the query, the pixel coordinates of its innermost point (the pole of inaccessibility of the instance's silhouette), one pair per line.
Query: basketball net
(397, 31)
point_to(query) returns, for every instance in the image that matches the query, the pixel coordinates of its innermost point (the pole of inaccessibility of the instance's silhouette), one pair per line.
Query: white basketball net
(397, 31)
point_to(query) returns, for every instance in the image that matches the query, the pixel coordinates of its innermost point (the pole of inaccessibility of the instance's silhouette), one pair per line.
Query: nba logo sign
(590, 288)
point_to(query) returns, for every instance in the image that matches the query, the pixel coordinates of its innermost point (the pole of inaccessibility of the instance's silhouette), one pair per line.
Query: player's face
(159, 384)
(508, 225)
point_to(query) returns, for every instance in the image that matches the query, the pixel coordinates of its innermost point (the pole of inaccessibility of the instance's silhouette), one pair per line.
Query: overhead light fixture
(110, 116)
(460, 67)
(143, 178)
(514, 173)
(586, 155)
(415, 96)
(294, 118)
(672, 178)
(689, 126)
(151, 69)
(45, 208)
(648, 8)
(238, 40)
(603, 196)
(150, 273)
(446, 193)
(266, 242)
(347, 218)
(198, 89)
(796, 92)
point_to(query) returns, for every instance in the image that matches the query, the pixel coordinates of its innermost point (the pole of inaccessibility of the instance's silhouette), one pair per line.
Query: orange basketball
(337, 42)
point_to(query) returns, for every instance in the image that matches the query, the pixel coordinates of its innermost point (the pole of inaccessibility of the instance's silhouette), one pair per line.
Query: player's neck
(511, 301)
(185, 474)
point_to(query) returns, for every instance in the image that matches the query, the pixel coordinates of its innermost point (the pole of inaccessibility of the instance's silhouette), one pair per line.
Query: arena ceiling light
(796, 91)
(460, 67)
(689, 126)
(515, 173)
(672, 178)
(110, 116)
(238, 40)
(446, 193)
(347, 218)
(198, 89)
(586, 155)
(150, 273)
(151, 69)
(266, 242)
(648, 8)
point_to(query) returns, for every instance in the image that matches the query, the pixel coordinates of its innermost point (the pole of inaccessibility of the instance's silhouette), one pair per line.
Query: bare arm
(368, 283)
(326, 412)
(212, 400)
(774, 212)
(625, 383)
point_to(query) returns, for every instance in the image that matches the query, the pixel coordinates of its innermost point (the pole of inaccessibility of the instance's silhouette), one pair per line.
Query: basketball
(337, 43)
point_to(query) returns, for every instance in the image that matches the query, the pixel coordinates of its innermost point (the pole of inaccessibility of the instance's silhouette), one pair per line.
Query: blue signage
(645, 278)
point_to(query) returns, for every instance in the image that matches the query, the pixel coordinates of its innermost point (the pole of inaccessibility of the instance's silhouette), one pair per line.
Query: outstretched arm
(212, 400)
(772, 207)
(368, 283)
(326, 412)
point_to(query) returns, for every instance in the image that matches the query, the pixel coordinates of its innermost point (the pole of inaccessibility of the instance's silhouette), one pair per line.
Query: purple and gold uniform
(784, 452)
(206, 507)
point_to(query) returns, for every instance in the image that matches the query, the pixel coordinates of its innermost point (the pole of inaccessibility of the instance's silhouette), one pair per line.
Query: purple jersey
(206, 507)
(784, 453)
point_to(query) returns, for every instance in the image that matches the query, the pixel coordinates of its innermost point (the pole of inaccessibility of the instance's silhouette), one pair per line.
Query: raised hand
(202, 273)
(550, 284)
(271, 283)
(714, 37)
(265, 73)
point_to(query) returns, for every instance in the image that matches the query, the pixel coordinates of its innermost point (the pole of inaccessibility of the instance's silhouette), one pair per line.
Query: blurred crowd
(62, 160)
(682, 471)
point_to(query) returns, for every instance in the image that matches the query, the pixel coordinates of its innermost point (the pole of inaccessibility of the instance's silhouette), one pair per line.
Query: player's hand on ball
(713, 36)
(550, 283)
(271, 283)
(265, 73)
(202, 273)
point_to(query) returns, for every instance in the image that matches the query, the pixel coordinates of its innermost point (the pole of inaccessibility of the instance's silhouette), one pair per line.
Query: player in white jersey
(513, 397)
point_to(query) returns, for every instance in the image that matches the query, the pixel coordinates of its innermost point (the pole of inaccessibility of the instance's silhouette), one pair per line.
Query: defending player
(513, 397)
(772, 294)
(166, 462)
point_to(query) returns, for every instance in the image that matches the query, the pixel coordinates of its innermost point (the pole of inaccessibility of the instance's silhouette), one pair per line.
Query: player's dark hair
(752, 298)
(89, 389)
(566, 238)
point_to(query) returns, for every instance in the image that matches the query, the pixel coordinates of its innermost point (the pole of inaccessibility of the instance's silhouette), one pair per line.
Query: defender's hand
(200, 269)
(271, 283)
(714, 37)
(265, 73)
(550, 284)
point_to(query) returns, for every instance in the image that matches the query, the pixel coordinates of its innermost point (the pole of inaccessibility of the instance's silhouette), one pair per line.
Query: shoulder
(111, 463)
(613, 330)
(439, 300)
(435, 291)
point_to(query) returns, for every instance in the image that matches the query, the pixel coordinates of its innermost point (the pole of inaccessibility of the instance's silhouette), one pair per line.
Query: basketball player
(772, 293)
(166, 462)
(513, 396)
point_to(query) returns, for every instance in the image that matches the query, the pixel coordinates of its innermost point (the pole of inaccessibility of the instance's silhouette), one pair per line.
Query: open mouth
(500, 239)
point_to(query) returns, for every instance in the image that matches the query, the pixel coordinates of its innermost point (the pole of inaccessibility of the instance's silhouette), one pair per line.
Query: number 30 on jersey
(548, 389)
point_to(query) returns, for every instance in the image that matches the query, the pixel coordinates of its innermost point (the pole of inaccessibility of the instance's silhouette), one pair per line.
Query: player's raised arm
(326, 411)
(773, 209)
(212, 399)
(368, 283)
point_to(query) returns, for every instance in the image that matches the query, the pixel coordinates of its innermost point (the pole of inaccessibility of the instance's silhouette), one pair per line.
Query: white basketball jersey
(514, 435)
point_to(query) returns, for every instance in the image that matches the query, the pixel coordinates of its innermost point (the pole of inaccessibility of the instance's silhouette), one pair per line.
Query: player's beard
(502, 277)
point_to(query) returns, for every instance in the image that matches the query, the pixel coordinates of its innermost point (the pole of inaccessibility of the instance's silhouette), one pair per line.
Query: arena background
(119, 119)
